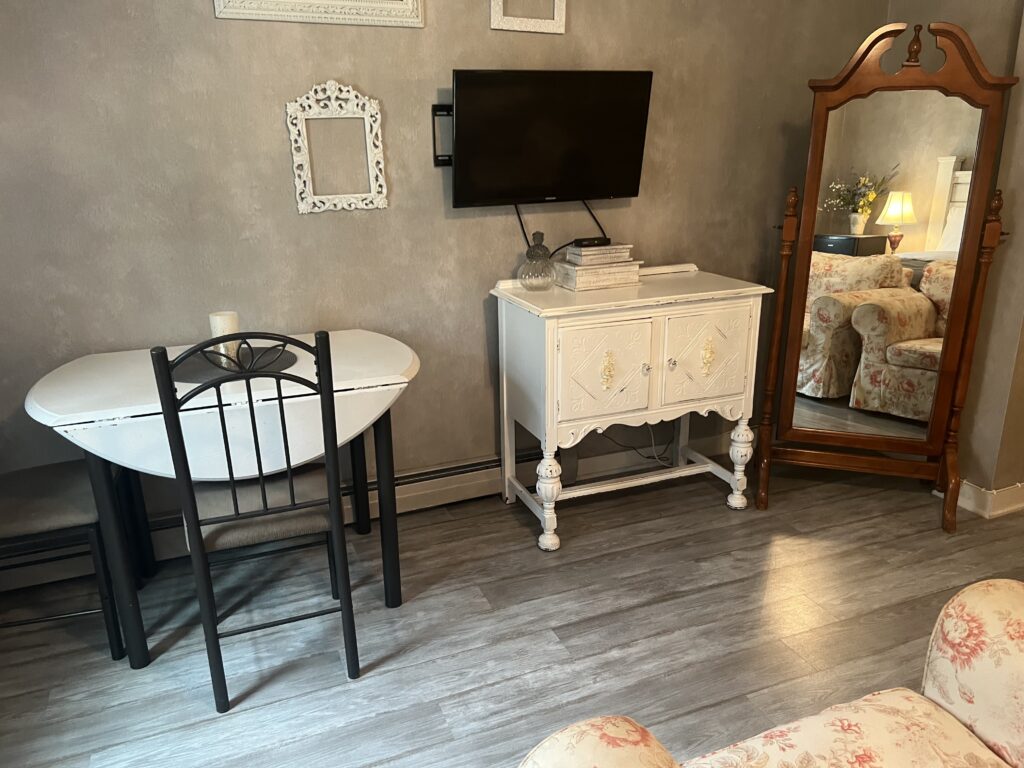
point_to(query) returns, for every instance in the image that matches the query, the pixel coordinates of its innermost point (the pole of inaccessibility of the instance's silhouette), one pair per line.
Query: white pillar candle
(221, 324)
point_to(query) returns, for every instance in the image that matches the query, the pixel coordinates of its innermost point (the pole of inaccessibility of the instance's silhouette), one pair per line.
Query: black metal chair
(49, 508)
(216, 515)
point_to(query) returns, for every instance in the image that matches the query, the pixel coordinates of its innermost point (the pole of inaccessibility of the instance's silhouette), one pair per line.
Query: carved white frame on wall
(378, 13)
(326, 101)
(555, 26)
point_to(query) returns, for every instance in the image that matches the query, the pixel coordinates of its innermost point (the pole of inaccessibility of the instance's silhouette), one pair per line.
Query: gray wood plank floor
(706, 624)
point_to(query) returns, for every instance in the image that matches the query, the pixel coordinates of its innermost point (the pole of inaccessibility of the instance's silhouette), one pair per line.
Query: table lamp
(899, 209)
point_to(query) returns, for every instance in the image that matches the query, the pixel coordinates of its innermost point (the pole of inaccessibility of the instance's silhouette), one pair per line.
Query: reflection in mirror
(896, 175)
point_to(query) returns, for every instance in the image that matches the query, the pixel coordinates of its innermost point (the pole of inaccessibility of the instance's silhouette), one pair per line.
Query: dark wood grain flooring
(705, 623)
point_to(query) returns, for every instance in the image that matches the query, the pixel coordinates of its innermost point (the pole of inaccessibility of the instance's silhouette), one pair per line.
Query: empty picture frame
(332, 100)
(378, 13)
(554, 25)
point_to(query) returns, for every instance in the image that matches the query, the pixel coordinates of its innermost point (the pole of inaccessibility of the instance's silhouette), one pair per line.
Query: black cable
(565, 245)
(591, 212)
(522, 226)
(526, 239)
(659, 455)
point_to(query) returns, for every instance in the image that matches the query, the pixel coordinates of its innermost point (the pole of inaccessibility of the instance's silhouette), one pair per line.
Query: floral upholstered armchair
(902, 345)
(970, 713)
(837, 285)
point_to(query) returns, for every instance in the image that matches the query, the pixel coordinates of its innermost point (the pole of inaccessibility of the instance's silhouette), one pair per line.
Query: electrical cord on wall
(659, 456)
(522, 226)
(591, 212)
(526, 239)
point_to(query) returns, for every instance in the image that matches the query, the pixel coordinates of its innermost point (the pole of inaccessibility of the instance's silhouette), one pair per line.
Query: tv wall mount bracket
(436, 111)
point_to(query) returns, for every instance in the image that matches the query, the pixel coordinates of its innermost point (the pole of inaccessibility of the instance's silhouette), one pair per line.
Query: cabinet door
(706, 354)
(604, 369)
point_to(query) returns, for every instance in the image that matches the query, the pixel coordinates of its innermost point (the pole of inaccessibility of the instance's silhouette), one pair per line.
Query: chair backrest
(975, 666)
(835, 273)
(235, 362)
(937, 284)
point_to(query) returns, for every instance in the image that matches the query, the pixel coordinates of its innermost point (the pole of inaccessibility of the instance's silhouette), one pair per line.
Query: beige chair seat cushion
(47, 498)
(923, 354)
(214, 500)
(895, 728)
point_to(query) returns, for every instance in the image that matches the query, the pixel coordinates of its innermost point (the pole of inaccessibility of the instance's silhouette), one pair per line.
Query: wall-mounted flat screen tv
(526, 136)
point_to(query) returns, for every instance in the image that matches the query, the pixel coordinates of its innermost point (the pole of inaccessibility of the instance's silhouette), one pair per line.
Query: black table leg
(388, 507)
(118, 560)
(144, 539)
(360, 486)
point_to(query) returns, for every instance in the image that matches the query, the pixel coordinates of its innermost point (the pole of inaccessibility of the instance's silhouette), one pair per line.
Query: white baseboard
(987, 503)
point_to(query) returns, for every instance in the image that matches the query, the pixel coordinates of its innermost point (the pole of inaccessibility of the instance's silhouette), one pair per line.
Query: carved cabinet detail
(706, 354)
(604, 369)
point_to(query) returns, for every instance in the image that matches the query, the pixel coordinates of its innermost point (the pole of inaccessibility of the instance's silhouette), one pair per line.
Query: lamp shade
(899, 209)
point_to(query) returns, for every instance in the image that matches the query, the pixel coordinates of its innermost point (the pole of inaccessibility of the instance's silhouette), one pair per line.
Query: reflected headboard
(952, 187)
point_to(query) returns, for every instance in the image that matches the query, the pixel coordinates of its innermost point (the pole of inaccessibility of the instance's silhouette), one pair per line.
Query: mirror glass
(896, 175)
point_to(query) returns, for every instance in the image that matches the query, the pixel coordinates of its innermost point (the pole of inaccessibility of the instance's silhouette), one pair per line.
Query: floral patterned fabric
(975, 666)
(601, 742)
(896, 728)
(917, 353)
(894, 389)
(937, 285)
(830, 347)
(832, 273)
(901, 342)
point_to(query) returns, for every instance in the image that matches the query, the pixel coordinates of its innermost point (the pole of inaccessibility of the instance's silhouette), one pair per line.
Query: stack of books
(607, 266)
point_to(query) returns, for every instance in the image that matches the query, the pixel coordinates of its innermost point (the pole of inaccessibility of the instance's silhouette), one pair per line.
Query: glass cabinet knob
(672, 363)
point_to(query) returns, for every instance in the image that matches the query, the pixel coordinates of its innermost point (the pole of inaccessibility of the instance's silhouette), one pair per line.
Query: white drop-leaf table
(682, 341)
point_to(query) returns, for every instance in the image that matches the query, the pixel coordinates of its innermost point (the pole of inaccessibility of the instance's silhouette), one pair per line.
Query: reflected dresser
(682, 341)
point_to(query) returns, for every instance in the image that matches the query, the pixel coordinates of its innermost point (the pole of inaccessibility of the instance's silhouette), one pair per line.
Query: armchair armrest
(610, 742)
(836, 309)
(882, 322)
(975, 665)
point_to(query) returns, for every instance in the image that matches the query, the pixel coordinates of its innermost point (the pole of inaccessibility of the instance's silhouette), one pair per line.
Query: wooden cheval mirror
(873, 372)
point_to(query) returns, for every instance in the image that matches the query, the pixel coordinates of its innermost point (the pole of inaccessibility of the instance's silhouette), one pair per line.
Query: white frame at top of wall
(377, 13)
(552, 26)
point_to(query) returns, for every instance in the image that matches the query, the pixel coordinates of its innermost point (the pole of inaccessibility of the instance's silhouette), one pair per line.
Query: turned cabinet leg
(740, 451)
(549, 486)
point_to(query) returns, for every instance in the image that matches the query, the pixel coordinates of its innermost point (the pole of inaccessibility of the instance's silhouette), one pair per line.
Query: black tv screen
(525, 136)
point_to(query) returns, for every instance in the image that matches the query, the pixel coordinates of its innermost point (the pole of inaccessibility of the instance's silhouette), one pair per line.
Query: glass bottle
(537, 273)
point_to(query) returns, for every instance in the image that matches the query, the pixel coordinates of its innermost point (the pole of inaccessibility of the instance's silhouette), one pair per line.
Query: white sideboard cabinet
(682, 341)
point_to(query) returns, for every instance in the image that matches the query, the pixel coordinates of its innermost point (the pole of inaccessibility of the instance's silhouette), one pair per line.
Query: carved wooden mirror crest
(869, 370)
(331, 100)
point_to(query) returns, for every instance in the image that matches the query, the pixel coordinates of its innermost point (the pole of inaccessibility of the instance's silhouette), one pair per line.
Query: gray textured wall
(995, 412)
(145, 179)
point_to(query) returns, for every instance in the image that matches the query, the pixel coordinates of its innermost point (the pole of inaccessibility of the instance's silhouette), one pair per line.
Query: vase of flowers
(857, 197)
(858, 221)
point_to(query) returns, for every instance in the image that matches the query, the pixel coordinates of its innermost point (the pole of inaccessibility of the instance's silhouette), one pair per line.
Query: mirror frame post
(790, 227)
(950, 471)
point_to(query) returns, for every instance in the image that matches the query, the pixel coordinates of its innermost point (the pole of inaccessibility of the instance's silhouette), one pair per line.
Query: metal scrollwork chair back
(232, 364)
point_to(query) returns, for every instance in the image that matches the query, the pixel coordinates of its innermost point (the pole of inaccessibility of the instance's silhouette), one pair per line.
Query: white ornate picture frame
(553, 26)
(332, 100)
(378, 13)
